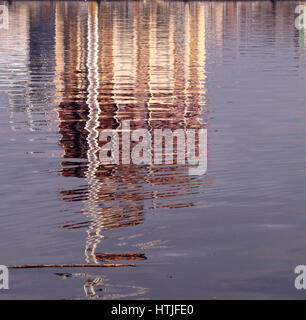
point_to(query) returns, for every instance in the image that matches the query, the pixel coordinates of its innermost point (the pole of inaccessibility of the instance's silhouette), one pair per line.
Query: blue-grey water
(70, 69)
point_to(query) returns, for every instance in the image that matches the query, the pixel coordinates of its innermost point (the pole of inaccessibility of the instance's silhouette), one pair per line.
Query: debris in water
(121, 256)
(33, 266)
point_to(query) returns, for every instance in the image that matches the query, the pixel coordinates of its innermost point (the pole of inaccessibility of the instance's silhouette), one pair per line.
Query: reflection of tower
(71, 81)
(92, 125)
(14, 52)
(102, 196)
(177, 90)
(143, 62)
(28, 69)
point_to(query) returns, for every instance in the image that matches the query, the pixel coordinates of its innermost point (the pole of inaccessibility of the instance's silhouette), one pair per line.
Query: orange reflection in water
(142, 62)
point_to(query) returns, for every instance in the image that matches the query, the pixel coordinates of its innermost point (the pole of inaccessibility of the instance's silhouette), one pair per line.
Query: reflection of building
(27, 64)
(127, 62)
(146, 62)
(100, 64)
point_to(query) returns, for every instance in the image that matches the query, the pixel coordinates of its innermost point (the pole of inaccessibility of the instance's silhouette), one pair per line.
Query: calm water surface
(71, 69)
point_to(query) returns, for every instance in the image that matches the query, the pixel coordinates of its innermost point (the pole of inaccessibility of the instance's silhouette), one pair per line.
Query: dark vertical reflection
(41, 54)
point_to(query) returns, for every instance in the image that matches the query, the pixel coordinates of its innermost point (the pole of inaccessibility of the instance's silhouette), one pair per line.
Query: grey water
(71, 69)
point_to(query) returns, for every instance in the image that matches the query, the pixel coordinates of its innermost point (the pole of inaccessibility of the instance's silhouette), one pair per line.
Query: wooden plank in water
(33, 266)
(121, 256)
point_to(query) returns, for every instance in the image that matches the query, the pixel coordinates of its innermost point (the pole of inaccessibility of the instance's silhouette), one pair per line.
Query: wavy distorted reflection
(135, 62)
(70, 70)
(97, 287)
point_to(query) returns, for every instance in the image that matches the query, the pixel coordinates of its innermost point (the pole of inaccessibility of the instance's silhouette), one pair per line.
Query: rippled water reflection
(72, 69)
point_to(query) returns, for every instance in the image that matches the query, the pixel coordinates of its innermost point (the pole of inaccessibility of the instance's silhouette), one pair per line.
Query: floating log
(34, 266)
(120, 256)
